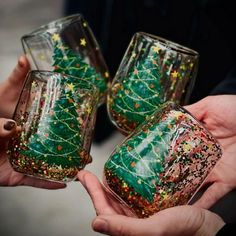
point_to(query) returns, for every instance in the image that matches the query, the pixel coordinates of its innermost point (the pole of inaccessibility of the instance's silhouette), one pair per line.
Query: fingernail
(9, 125)
(100, 225)
(21, 61)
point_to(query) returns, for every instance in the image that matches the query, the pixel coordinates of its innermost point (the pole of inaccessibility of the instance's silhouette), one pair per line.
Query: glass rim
(94, 89)
(173, 104)
(171, 45)
(51, 25)
(31, 73)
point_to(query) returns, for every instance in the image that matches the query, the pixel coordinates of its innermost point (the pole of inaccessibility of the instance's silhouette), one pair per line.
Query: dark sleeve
(227, 86)
(228, 229)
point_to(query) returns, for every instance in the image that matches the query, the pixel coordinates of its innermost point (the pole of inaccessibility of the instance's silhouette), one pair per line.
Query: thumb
(120, 225)
(198, 109)
(7, 128)
(182, 220)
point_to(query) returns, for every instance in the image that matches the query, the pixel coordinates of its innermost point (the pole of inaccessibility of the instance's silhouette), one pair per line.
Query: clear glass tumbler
(68, 45)
(153, 70)
(162, 163)
(56, 113)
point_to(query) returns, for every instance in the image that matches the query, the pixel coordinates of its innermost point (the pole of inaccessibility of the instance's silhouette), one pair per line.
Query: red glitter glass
(162, 163)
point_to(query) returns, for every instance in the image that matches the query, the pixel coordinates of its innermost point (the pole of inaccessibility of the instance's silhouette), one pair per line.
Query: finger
(33, 182)
(7, 128)
(198, 109)
(19, 73)
(96, 192)
(122, 225)
(213, 194)
(182, 220)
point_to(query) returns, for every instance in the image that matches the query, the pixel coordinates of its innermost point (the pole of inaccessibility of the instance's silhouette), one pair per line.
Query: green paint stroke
(57, 139)
(70, 63)
(140, 160)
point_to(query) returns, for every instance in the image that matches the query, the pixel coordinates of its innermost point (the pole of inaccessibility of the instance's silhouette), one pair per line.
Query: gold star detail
(85, 24)
(34, 84)
(174, 74)
(70, 87)
(106, 74)
(156, 49)
(89, 110)
(56, 37)
(83, 42)
(187, 147)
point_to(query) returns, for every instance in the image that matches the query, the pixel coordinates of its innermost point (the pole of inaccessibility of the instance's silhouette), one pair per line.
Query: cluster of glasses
(167, 153)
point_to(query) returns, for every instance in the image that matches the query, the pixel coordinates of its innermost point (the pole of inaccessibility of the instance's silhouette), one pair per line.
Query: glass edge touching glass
(170, 44)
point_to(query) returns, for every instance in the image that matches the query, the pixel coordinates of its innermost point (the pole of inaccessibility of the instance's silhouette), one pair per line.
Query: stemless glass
(162, 163)
(56, 113)
(68, 45)
(153, 70)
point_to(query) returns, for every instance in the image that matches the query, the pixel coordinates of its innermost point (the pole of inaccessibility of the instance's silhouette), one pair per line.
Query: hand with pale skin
(9, 93)
(218, 114)
(111, 219)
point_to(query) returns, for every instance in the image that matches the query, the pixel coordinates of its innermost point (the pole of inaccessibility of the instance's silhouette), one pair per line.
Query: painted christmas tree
(140, 161)
(68, 62)
(140, 93)
(150, 74)
(57, 140)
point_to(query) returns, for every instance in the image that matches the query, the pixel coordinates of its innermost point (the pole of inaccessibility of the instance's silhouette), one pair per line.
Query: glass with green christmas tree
(56, 115)
(68, 45)
(153, 70)
(162, 163)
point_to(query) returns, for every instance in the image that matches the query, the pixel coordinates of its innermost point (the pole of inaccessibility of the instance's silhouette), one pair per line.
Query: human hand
(9, 177)
(182, 220)
(9, 93)
(10, 88)
(218, 114)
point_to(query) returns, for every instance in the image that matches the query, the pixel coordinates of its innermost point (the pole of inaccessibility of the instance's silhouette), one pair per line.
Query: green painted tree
(139, 93)
(140, 161)
(68, 62)
(57, 139)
